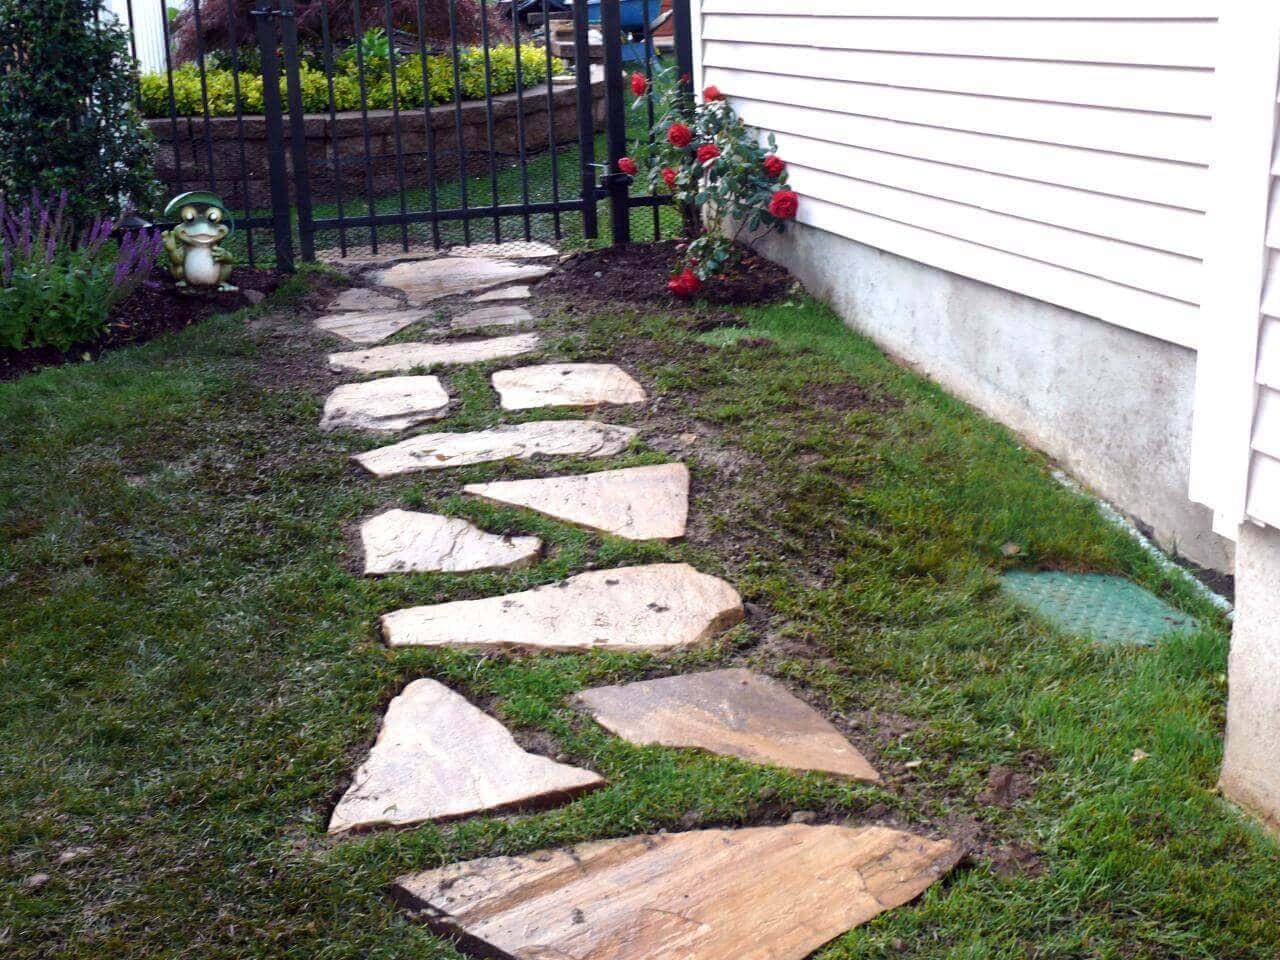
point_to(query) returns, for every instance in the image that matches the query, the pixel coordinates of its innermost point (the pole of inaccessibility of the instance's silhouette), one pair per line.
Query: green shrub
(67, 113)
(219, 87)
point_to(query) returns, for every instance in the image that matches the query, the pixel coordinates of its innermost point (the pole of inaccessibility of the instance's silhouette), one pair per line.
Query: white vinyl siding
(1057, 149)
(1264, 471)
(146, 19)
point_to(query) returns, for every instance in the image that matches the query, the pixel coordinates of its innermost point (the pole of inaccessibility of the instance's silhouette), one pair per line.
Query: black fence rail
(341, 127)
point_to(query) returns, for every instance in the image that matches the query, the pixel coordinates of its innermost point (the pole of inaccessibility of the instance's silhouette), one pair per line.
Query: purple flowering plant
(58, 285)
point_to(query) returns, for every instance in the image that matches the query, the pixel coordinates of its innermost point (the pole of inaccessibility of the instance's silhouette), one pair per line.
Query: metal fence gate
(401, 124)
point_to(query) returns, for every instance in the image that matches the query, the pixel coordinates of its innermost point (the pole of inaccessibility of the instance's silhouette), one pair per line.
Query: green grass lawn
(191, 669)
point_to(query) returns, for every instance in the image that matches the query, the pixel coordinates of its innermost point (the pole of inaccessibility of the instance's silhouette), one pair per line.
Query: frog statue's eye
(214, 215)
(188, 214)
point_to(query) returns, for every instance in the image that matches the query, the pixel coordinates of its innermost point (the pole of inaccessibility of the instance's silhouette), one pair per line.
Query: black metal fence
(341, 127)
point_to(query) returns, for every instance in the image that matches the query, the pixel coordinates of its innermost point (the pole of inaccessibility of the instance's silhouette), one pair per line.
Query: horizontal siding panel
(1162, 136)
(1156, 316)
(975, 9)
(1100, 85)
(1266, 423)
(1162, 43)
(1130, 221)
(1264, 489)
(1150, 270)
(1140, 178)
(1269, 354)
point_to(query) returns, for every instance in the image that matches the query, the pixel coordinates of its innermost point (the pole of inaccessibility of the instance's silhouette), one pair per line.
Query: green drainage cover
(1108, 609)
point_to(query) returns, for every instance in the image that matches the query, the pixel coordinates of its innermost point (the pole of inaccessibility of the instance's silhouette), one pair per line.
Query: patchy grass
(191, 669)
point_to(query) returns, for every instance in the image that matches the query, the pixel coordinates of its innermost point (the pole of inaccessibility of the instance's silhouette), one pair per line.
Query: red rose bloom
(669, 178)
(639, 84)
(708, 152)
(773, 165)
(628, 166)
(679, 136)
(712, 93)
(783, 204)
(685, 283)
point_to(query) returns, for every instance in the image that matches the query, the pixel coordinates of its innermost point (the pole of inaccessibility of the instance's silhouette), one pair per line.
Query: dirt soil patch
(154, 309)
(638, 275)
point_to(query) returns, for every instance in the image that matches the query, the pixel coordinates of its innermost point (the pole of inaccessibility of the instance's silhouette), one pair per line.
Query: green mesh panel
(1107, 609)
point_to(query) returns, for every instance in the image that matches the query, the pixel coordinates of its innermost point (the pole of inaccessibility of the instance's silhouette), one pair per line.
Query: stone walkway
(763, 892)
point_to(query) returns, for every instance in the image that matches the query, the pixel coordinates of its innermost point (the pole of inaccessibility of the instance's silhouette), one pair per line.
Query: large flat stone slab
(401, 541)
(438, 757)
(409, 356)
(762, 893)
(369, 327)
(362, 299)
(388, 405)
(649, 608)
(425, 280)
(522, 441)
(518, 292)
(511, 250)
(566, 385)
(498, 315)
(736, 713)
(637, 503)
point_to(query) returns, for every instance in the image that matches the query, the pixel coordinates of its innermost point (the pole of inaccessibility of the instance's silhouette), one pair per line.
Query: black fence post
(682, 21)
(586, 119)
(281, 225)
(616, 120)
(297, 129)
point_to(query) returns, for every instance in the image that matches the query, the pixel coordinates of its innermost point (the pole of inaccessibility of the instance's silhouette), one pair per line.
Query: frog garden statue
(195, 259)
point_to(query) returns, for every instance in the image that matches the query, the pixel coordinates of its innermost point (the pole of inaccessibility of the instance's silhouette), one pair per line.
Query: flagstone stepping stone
(426, 280)
(522, 441)
(512, 250)
(388, 405)
(369, 327)
(408, 356)
(362, 299)
(400, 541)
(760, 893)
(657, 607)
(637, 503)
(736, 713)
(566, 385)
(518, 292)
(438, 757)
(1108, 609)
(501, 315)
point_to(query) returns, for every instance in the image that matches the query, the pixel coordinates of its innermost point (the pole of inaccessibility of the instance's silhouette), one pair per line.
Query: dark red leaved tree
(221, 20)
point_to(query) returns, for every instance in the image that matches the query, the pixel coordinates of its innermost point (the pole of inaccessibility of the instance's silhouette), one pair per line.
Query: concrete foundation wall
(1111, 405)
(1251, 767)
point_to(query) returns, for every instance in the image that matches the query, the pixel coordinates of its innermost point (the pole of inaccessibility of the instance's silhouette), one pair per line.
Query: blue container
(631, 12)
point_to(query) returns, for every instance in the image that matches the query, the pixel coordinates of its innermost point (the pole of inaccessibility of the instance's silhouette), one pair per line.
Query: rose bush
(718, 171)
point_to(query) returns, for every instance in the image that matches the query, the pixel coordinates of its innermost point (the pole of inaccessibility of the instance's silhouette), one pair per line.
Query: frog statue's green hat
(201, 198)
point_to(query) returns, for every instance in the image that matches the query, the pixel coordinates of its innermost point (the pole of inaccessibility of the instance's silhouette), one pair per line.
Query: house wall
(146, 18)
(1011, 197)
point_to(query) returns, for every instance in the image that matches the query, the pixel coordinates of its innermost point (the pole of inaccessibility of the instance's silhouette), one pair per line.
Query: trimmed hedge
(220, 85)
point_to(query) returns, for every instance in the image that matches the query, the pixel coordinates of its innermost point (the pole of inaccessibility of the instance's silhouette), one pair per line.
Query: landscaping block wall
(184, 146)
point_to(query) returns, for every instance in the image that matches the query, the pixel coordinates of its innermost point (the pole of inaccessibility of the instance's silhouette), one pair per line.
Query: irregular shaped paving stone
(426, 280)
(400, 541)
(502, 315)
(650, 608)
(637, 503)
(732, 712)
(408, 356)
(369, 327)
(522, 441)
(762, 893)
(518, 292)
(438, 757)
(512, 250)
(390, 404)
(566, 385)
(363, 299)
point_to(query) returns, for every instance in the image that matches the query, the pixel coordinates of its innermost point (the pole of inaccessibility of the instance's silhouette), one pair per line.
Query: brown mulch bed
(149, 313)
(638, 275)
